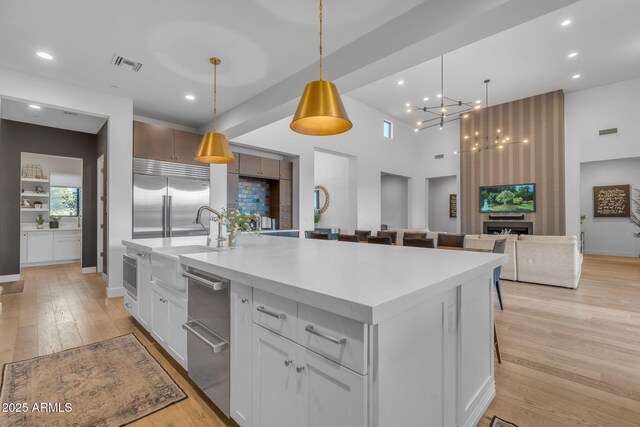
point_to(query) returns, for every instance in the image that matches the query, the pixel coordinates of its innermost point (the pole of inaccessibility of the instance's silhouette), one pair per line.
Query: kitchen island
(346, 334)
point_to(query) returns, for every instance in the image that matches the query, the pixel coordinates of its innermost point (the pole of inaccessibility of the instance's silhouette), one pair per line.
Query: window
(387, 129)
(65, 201)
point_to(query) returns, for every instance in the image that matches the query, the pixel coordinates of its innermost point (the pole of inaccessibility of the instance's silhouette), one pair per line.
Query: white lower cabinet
(241, 356)
(293, 386)
(168, 314)
(144, 290)
(40, 246)
(67, 245)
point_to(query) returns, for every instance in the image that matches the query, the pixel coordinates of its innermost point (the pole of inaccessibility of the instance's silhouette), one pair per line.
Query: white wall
(394, 201)
(586, 112)
(439, 191)
(332, 172)
(608, 236)
(119, 111)
(371, 154)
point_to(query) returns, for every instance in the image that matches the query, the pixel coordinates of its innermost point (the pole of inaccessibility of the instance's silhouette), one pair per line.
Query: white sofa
(549, 260)
(486, 241)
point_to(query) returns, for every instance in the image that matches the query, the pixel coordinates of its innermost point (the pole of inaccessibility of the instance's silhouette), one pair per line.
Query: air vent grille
(610, 131)
(439, 156)
(127, 64)
(70, 113)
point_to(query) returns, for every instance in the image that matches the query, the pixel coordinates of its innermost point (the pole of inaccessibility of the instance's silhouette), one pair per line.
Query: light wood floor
(570, 357)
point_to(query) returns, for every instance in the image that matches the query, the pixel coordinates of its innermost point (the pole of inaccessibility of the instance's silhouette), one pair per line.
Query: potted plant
(40, 222)
(54, 221)
(237, 222)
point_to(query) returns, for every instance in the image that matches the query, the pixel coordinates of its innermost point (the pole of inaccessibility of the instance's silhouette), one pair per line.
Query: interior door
(148, 215)
(185, 197)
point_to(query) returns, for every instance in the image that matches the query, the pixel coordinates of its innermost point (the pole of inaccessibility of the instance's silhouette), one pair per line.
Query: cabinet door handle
(288, 362)
(216, 286)
(312, 330)
(244, 300)
(261, 309)
(299, 368)
(141, 254)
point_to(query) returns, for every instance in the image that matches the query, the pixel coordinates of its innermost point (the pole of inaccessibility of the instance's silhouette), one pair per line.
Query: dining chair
(362, 234)
(496, 343)
(419, 243)
(451, 240)
(498, 248)
(392, 234)
(318, 236)
(378, 240)
(348, 238)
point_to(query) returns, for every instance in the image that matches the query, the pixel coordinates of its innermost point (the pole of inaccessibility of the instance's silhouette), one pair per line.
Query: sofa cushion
(557, 239)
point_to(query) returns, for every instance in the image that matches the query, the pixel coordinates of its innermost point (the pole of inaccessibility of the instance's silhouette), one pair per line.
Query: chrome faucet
(220, 239)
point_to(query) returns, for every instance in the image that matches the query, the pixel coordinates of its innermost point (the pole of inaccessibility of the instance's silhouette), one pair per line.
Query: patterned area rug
(11, 287)
(109, 383)
(499, 422)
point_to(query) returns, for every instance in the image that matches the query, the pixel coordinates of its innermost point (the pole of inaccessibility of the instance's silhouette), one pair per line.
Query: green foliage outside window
(65, 201)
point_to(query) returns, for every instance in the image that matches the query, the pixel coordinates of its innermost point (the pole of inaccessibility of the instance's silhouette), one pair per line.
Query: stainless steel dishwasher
(208, 335)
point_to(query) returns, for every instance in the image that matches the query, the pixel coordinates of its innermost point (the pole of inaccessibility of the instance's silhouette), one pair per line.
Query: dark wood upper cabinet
(233, 188)
(249, 165)
(269, 168)
(185, 147)
(286, 170)
(235, 166)
(285, 194)
(152, 141)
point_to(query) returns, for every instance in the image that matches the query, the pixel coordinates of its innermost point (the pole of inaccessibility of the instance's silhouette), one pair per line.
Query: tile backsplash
(254, 196)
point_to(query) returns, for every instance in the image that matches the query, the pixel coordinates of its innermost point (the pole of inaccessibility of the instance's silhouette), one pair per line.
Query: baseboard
(105, 278)
(117, 292)
(39, 264)
(483, 403)
(9, 278)
(610, 253)
(88, 270)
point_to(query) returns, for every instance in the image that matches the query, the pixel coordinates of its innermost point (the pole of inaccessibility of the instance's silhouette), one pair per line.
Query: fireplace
(516, 227)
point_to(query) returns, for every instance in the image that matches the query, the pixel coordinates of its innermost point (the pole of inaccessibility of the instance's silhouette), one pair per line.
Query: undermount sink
(165, 265)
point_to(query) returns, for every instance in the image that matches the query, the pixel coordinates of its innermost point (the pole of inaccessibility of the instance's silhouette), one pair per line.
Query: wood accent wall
(540, 119)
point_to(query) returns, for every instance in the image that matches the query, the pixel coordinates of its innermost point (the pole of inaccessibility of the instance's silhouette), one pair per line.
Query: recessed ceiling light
(465, 116)
(407, 105)
(573, 54)
(477, 107)
(400, 82)
(439, 95)
(35, 107)
(455, 152)
(44, 55)
(415, 130)
(426, 98)
(575, 76)
(190, 97)
(565, 22)
(408, 110)
(478, 101)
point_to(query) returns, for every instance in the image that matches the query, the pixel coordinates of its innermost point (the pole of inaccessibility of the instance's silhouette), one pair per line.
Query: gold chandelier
(214, 147)
(320, 111)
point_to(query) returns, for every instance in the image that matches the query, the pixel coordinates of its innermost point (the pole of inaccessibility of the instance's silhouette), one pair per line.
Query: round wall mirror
(321, 198)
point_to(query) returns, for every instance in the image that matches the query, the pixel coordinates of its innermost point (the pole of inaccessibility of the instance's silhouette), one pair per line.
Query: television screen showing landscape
(508, 198)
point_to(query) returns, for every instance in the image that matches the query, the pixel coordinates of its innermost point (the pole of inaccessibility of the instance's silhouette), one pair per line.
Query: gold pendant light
(214, 147)
(320, 111)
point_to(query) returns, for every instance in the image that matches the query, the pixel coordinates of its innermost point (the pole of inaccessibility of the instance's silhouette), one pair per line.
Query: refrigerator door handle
(170, 215)
(164, 216)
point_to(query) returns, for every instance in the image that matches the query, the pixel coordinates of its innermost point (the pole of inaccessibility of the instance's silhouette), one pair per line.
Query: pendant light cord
(215, 94)
(320, 39)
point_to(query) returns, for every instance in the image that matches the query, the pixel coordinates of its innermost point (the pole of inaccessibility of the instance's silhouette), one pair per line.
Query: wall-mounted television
(508, 198)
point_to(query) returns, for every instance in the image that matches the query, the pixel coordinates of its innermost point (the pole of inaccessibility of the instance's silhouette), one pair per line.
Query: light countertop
(369, 283)
(31, 228)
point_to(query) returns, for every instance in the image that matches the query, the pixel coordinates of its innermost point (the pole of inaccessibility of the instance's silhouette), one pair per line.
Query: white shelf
(34, 209)
(34, 194)
(34, 180)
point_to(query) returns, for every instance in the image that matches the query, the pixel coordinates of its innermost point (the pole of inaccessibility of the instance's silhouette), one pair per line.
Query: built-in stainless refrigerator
(166, 198)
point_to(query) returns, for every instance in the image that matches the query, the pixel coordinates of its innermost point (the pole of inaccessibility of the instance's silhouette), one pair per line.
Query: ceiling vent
(69, 113)
(127, 64)
(611, 131)
(439, 156)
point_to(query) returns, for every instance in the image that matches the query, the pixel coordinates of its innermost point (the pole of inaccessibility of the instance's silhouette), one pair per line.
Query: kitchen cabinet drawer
(338, 338)
(66, 245)
(131, 305)
(275, 313)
